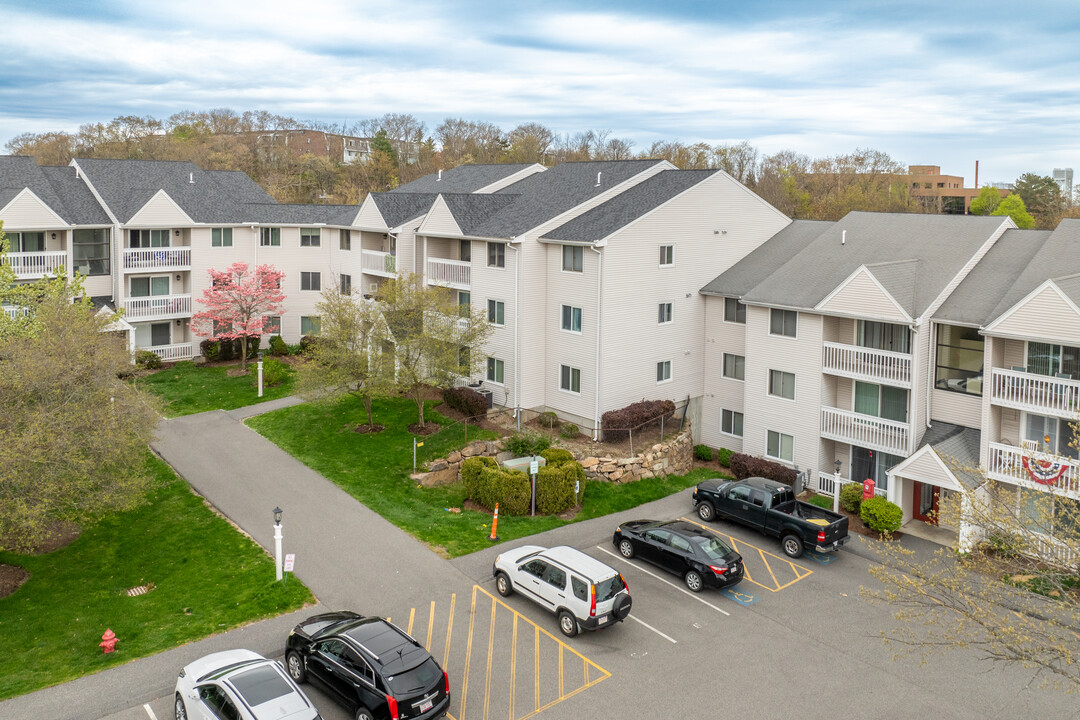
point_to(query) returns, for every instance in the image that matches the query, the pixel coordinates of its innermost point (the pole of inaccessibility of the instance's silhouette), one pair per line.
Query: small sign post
(414, 446)
(534, 467)
(290, 561)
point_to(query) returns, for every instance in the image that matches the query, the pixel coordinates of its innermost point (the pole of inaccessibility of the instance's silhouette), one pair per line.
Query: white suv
(584, 592)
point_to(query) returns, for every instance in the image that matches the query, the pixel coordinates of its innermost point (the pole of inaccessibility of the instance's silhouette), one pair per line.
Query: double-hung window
(734, 366)
(496, 312)
(345, 239)
(310, 237)
(734, 311)
(496, 254)
(571, 318)
(569, 379)
(573, 258)
(221, 237)
(346, 284)
(270, 237)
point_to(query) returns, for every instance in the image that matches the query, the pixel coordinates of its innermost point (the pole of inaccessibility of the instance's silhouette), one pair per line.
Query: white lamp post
(277, 541)
(260, 379)
(836, 489)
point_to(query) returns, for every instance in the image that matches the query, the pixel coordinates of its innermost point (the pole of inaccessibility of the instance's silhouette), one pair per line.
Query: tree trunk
(367, 406)
(418, 398)
(243, 353)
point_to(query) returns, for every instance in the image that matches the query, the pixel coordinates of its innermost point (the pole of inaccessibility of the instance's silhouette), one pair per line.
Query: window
(310, 325)
(147, 286)
(345, 239)
(569, 379)
(882, 336)
(26, 241)
(667, 255)
(496, 312)
(494, 370)
(734, 366)
(782, 384)
(571, 318)
(346, 284)
(1050, 434)
(270, 237)
(959, 359)
(664, 313)
(873, 465)
(734, 311)
(149, 238)
(556, 577)
(780, 446)
(1053, 360)
(311, 281)
(1048, 514)
(581, 590)
(731, 422)
(881, 401)
(465, 251)
(663, 371)
(90, 251)
(496, 254)
(464, 301)
(221, 237)
(160, 334)
(783, 322)
(573, 258)
(271, 324)
(310, 237)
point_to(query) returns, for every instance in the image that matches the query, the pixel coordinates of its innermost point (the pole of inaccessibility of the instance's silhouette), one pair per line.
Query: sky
(942, 83)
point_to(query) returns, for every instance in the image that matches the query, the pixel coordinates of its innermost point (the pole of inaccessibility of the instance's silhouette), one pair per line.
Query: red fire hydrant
(108, 641)
(867, 489)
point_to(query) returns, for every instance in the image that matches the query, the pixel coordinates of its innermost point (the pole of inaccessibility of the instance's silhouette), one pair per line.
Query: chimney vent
(598, 179)
(843, 237)
(438, 178)
(191, 178)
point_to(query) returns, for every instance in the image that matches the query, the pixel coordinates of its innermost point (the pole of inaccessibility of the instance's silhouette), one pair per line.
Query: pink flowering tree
(236, 303)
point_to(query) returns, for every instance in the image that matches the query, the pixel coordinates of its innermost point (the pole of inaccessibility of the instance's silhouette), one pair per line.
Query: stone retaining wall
(674, 457)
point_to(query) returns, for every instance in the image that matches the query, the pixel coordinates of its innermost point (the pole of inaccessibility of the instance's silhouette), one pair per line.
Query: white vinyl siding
(863, 296)
(1046, 317)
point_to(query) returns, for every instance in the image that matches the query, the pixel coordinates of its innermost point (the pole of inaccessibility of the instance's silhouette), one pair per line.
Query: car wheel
(181, 711)
(693, 580)
(793, 546)
(295, 665)
(364, 714)
(705, 511)
(503, 585)
(622, 606)
(626, 548)
(567, 623)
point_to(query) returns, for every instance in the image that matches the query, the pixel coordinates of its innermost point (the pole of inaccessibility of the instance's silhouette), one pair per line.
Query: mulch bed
(11, 579)
(428, 428)
(366, 429)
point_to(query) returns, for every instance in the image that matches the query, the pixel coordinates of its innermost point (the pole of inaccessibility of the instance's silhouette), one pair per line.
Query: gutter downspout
(599, 317)
(517, 314)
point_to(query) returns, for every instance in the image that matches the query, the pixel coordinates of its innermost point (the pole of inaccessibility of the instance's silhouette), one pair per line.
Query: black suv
(368, 665)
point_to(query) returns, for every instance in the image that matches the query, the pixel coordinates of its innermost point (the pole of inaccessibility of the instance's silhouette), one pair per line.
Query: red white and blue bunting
(1045, 472)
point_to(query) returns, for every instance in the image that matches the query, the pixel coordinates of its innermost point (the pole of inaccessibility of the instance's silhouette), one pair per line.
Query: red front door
(925, 499)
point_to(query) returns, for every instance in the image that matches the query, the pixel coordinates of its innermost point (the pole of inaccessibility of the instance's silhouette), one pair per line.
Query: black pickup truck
(771, 507)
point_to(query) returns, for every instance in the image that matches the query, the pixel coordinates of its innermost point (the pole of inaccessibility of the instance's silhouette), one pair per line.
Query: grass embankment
(187, 389)
(207, 578)
(375, 468)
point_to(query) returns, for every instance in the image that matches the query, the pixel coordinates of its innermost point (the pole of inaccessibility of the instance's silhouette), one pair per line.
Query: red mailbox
(867, 489)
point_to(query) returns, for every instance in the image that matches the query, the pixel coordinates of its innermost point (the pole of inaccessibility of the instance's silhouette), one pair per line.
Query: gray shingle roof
(18, 173)
(472, 211)
(462, 179)
(956, 444)
(298, 214)
(765, 259)
(82, 208)
(939, 245)
(241, 187)
(975, 298)
(396, 208)
(628, 206)
(1058, 257)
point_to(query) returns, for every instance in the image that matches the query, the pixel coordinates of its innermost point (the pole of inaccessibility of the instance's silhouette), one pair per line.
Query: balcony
(162, 258)
(455, 274)
(1006, 464)
(865, 431)
(15, 311)
(169, 353)
(1041, 394)
(379, 263)
(34, 265)
(156, 307)
(867, 364)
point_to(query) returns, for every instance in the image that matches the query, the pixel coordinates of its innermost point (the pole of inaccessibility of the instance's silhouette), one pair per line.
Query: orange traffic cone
(494, 523)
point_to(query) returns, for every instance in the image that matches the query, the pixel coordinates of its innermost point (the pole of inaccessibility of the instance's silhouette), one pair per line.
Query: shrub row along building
(882, 344)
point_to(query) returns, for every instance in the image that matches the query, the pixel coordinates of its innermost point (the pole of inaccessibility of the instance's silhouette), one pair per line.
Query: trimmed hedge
(225, 350)
(278, 346)
(148, 359)
(569, 431)
(487, 484)
(548, 419)
(527, 443)
(617, 424)
(465, 400)
(275, 372)
(557, 456)
(470, 473)
(723, 456)
(511, 489)
(851, 497)
(744, 466)
(881, 515)
(704, 453)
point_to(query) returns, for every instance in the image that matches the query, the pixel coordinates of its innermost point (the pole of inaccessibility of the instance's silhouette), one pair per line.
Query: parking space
(764, 568)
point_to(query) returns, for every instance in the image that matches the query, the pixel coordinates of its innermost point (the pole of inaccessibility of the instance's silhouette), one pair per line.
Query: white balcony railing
(865, 431)
(1035, 393)
(157, 307)
(452, 273)
(36, 264)
(868, 364)
(161, 258)
(825, 483)
(379, 263)
(1007, 463)
(15, 311)
(169, 353)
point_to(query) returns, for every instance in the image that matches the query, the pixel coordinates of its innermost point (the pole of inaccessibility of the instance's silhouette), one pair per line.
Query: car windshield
(420, 677)
(607, 589)
(713, 548)
(259, 685)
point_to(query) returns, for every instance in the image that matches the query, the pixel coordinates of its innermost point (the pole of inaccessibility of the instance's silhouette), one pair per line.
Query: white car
(239, 685)
(585, 593)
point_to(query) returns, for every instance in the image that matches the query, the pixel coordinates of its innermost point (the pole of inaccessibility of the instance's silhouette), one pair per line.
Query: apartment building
(904, 349)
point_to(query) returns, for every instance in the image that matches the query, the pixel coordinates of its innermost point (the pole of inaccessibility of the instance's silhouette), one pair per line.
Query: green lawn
(187, 389)
(375, 470)
(207, 577)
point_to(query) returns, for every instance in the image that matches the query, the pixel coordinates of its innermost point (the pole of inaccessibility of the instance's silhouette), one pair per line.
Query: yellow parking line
(491, 647)
(449, 630)
(536, 667)
(513, 666)
(560, 671)
(468, 654)
(412, 616)
(430, 625)
(799, 571)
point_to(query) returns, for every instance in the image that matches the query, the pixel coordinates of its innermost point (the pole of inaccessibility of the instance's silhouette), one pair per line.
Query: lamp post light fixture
(277, 541)
(260, 374)
(836, 488)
